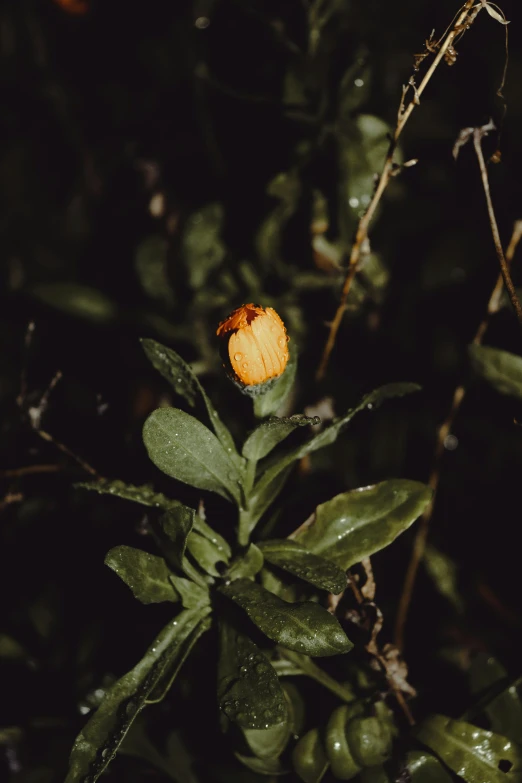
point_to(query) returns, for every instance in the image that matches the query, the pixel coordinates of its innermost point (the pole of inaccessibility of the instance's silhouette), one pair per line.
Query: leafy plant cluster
(267, 598)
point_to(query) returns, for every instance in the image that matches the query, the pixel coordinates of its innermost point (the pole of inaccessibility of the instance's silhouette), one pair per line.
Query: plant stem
(308, 667)
(419, 544)
(504, 267)
(243, 533)
(464, 20)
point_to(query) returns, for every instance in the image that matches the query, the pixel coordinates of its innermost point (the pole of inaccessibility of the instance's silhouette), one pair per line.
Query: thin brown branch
(462, 23)
(504, 266)
(419, 544)
(85, 465)
(28, 470)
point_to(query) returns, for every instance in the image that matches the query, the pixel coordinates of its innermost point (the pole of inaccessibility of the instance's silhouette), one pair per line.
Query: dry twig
(464, 20)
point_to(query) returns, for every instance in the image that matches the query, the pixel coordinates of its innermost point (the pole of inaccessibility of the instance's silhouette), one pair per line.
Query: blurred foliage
(159, 166)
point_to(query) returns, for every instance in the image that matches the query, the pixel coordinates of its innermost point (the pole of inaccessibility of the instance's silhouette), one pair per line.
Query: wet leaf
(425, 768)
(193, 596)
(146, 575)
(503, 709)
(356, 524)
(271, 401)
(143, 494)
(100, 738)
(271, 432)
(78, 300)
(246, 565)
(175, 529)
(185, 383)
(304, 626)
(501, 369)
(202, 247)
(205, 553)
(297, 560)
(182, 447)
(249, 692)
(472, 753)
(269, 484)
(146, 496)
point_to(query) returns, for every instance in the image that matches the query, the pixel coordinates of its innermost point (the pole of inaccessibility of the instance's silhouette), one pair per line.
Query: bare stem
(463, 21)
(419, 544)
(504, 267)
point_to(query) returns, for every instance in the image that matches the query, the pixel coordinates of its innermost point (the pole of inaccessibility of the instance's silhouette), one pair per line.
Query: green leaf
(263, 766)
(146, 575)
(264, 495)
(185, 383)
(472, 753)
(193, 595)
(205, 553)
(143, 494)
(356, 524)
(77, 300)
(182, 447)
(201, 244)
(309, 757)
(501, 369)
(148, 497)
(100, 738)
(271, 432)
(304, 626)
(176, 528)
(297, 560)
(246, 565)
(268, 743)
(291, 663)
(268, 485)
(249, 692)
(271, 401)
(425, 768)
(503, 709)
(151, 268)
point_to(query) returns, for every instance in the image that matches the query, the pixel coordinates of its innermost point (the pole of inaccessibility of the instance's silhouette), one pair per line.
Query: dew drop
(244, 365)
(238, 357)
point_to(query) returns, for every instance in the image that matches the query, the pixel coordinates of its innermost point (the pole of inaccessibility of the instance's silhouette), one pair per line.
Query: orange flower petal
(257, 345)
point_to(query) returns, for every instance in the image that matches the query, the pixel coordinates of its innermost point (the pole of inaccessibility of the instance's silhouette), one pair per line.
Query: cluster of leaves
(266, 598)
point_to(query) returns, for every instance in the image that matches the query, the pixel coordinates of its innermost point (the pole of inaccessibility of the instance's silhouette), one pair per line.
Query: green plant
(238, 581)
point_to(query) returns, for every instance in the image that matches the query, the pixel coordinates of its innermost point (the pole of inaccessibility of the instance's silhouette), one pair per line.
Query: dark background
(101, 111)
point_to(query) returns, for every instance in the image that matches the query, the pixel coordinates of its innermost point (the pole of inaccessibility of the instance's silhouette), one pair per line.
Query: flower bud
(256, 345)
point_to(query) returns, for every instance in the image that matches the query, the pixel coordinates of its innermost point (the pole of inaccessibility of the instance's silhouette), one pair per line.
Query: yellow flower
(257, 344)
